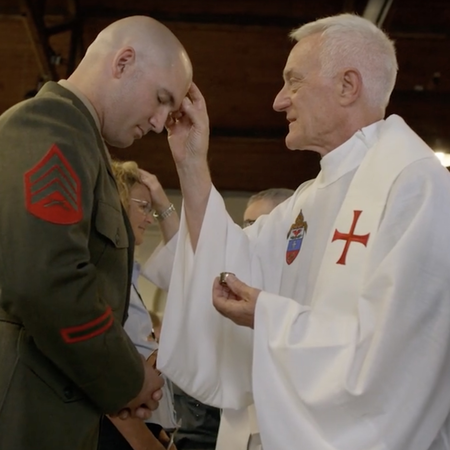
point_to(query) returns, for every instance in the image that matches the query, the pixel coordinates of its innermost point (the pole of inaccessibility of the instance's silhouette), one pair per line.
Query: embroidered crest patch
(53, 190)
(295, 237)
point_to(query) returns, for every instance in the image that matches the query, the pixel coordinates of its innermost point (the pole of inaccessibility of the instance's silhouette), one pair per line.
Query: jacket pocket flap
(109, 222)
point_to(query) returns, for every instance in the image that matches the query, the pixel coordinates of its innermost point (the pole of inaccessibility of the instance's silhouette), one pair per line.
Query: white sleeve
(158, 267)
(206, 355)
(376, 378)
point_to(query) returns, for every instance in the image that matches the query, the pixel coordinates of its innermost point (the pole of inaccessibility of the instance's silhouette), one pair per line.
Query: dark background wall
(238, 48)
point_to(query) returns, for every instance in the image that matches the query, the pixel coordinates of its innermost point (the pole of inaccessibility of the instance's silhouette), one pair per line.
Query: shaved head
(135, 73)
(151, 40)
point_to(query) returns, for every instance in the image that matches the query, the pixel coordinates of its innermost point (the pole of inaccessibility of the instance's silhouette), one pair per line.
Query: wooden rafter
(33, 12)
(33, 15)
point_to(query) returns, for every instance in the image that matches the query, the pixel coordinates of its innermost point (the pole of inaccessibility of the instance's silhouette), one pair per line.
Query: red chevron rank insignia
(53, 190)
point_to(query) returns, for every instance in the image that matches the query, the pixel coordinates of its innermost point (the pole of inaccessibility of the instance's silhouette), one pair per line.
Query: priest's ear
(349, 86)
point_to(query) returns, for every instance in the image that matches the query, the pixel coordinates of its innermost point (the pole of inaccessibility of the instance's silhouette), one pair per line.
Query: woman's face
(140, 211)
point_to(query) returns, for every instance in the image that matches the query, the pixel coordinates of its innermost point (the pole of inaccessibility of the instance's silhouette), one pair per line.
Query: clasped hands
(235, 300)
(148, 398)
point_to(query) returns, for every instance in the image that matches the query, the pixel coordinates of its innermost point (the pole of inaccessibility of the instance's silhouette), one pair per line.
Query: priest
(336, 322)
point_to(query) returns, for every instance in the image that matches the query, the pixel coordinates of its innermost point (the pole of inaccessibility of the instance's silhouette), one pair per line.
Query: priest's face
(309, 99)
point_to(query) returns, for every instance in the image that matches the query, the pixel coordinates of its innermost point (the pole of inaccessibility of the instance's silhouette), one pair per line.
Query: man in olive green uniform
(65, 243)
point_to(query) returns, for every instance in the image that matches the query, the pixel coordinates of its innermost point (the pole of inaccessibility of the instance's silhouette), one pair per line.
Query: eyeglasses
(248, 222)
(144, 206)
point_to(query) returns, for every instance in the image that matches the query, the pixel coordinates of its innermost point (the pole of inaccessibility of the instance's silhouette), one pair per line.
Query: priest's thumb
(241, 290)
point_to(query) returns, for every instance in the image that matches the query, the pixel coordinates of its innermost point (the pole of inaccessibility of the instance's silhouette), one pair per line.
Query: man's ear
(350, 86)
(124, 58)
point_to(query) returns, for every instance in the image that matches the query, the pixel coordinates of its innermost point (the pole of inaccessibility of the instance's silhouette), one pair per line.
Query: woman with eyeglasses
(144, 200)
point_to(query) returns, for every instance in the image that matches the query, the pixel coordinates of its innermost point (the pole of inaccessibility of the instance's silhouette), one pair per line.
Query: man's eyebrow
(287, 74)
(291, 73)
(169, 95)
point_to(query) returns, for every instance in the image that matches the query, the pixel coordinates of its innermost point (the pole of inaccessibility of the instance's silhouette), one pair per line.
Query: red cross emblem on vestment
(350, 237)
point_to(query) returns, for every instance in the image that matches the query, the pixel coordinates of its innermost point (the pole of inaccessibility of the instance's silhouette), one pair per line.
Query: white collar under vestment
(342, 159)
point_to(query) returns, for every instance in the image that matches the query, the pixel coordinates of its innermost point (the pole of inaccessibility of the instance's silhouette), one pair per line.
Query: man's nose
(158, 121)
(281, 101)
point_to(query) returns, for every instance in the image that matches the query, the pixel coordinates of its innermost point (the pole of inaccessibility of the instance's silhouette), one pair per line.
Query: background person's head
(338, 78)
(263, 202)
(135, 197)
(135, 73)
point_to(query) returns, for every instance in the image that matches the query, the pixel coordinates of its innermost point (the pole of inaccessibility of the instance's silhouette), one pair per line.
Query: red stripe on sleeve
(88, 330)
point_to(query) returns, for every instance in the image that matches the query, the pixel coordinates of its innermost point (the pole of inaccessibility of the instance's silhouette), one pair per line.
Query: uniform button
(68, 392)
(117, 237)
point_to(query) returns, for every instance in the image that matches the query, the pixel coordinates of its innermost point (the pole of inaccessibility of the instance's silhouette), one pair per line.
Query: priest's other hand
(235, 300)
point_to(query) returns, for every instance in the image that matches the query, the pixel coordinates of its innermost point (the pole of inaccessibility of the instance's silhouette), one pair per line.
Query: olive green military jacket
(66, 254)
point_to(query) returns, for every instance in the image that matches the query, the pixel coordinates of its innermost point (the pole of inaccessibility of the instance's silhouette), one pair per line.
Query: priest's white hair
(348, 40)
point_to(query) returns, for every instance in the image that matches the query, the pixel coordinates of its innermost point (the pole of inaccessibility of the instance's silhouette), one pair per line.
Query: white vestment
(351, 345)
(238, 429)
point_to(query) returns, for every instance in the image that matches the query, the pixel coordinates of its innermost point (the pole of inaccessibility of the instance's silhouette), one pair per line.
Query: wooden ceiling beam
(76, 46)
(33, 17)
(199, 18)
(60, 27)
(33, 13)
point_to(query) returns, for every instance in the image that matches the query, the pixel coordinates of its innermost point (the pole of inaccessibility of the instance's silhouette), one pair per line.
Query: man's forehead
(174, 89)
(292, 62)
(302, 55)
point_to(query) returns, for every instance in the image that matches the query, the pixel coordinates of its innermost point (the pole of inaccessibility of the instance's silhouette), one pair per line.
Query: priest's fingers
(241, 290)
(241, 313)
(222, 290)
(193, 110)
(195, 95)
(232, 306)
